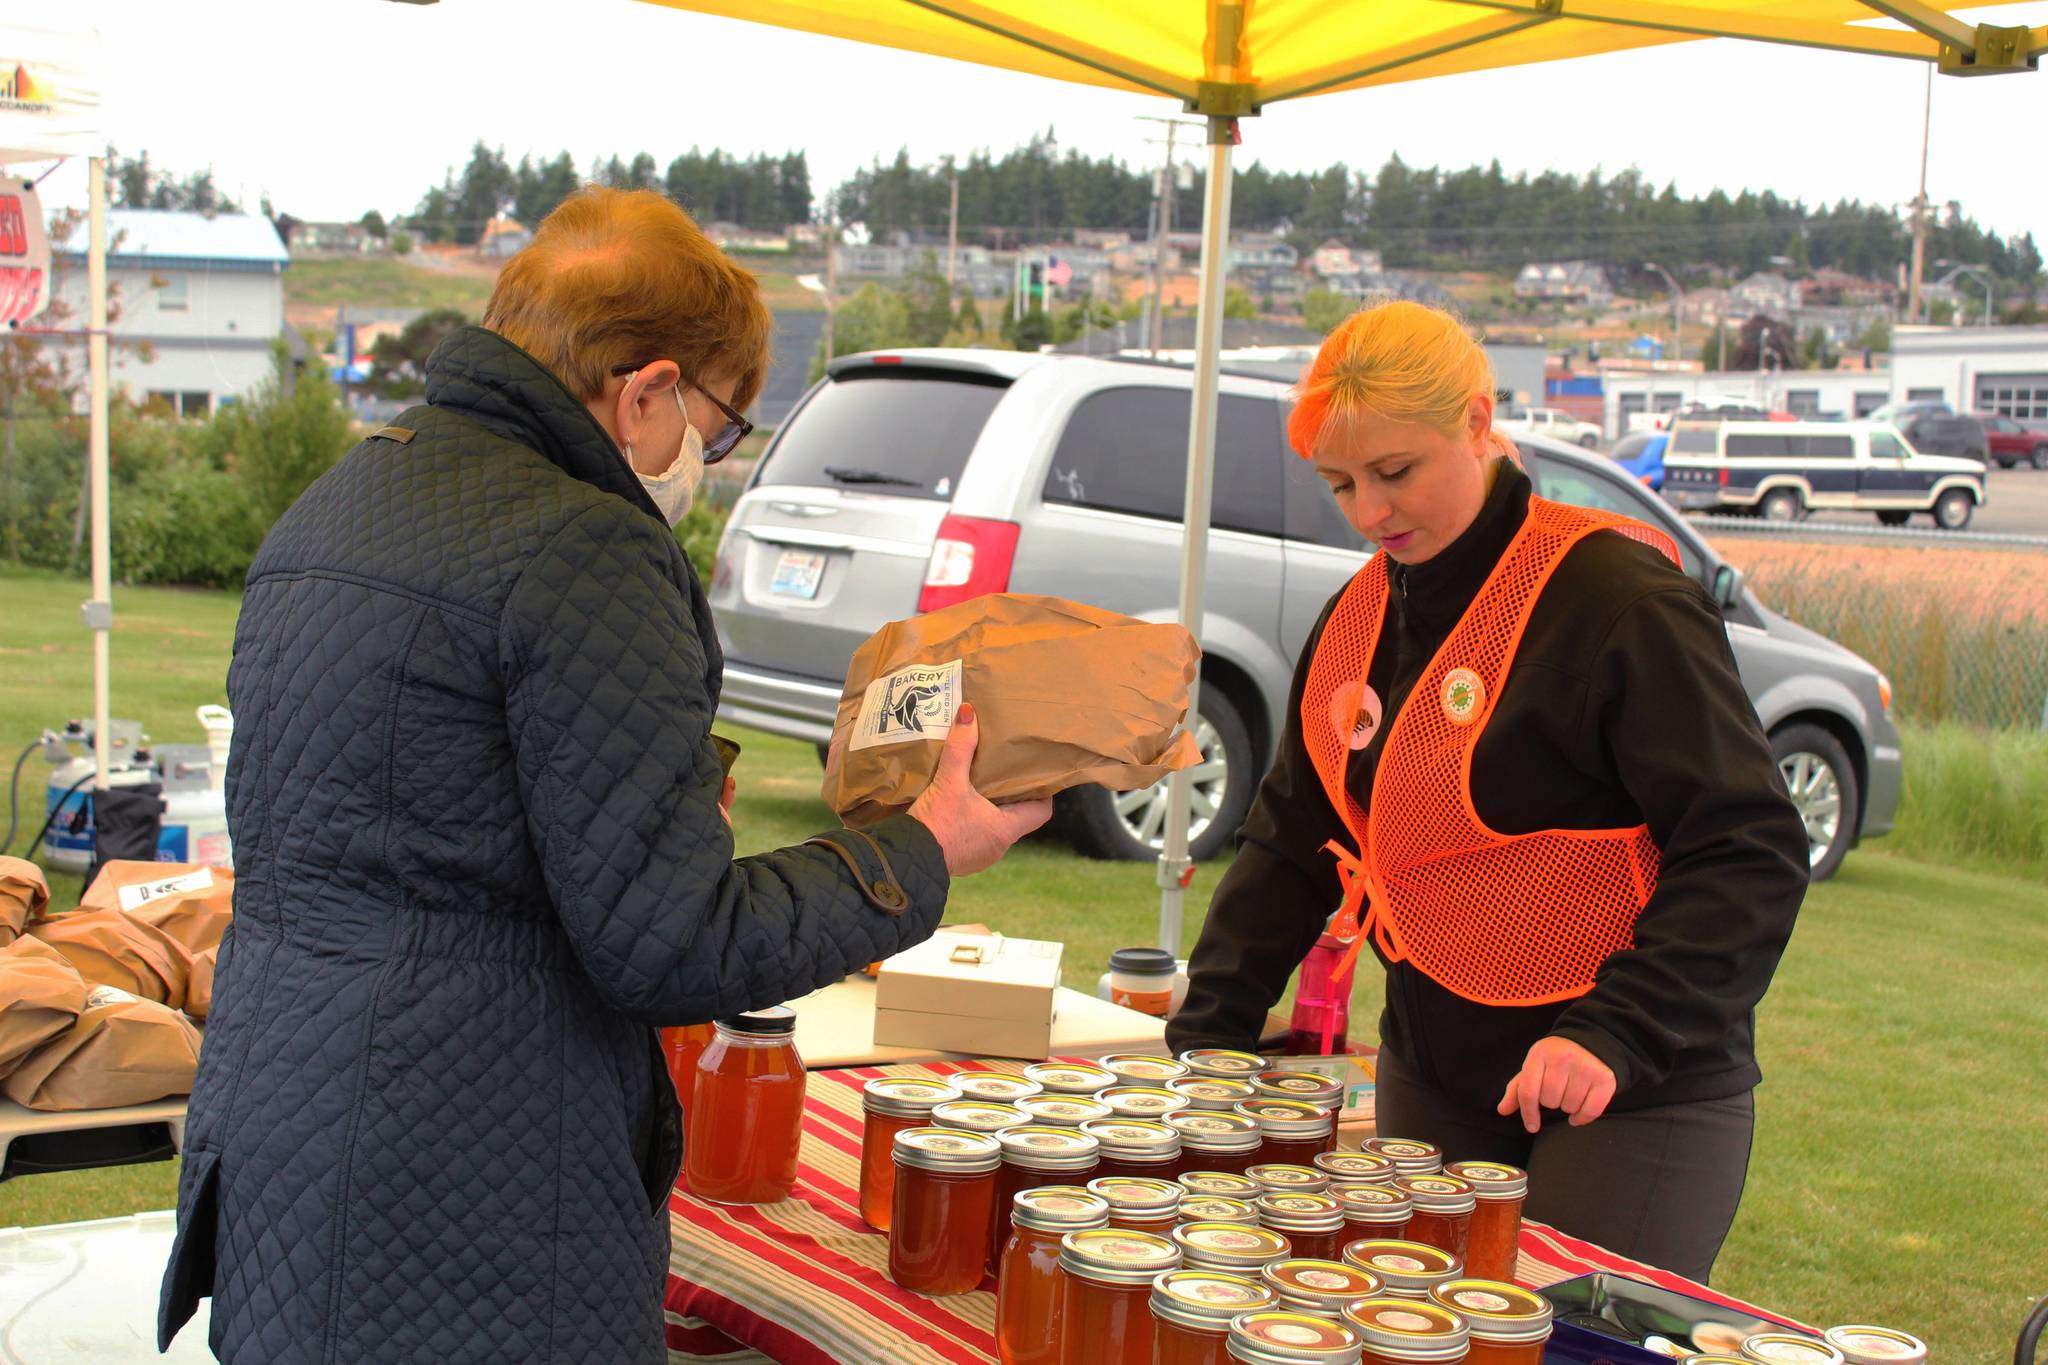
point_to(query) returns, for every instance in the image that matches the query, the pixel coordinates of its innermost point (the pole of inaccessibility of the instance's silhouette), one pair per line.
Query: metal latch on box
(969, 954)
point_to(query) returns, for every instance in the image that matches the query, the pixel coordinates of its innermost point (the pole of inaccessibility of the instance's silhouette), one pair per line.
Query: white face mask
(675, 488)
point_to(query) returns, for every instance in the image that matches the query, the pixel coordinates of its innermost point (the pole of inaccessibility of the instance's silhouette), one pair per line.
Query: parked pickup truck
(1782, 470)
(1554, 423)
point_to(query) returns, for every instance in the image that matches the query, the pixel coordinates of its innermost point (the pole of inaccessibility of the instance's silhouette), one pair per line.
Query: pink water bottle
(1321, 1021)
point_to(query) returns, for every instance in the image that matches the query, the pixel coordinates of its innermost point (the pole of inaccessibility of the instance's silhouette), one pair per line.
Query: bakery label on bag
(142, 893)
(913, 703)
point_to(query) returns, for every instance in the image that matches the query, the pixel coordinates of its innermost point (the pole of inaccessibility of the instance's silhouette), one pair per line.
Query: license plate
(797, 573)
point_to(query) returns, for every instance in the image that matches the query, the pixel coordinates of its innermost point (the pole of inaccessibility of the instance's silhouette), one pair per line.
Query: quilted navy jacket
(478, 857)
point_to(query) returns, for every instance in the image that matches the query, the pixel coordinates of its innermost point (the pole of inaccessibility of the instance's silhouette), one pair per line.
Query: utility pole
(831, 277)
(953, 234)
(1920, 205)
(1162, 228)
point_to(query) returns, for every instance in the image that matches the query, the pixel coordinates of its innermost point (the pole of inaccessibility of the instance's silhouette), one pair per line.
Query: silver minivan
(904, 481)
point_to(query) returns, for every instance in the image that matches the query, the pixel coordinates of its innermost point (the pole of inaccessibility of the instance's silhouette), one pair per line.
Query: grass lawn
(1898, 1130)
(384, 282)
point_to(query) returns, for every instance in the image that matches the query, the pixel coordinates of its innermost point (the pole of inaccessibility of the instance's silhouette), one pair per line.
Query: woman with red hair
(1519, 763)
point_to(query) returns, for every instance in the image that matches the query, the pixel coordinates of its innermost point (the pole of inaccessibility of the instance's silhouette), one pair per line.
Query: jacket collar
(481, 374)
(1437, 591)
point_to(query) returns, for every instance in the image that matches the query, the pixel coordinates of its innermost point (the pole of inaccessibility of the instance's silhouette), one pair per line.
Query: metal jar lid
(774, 1021)
(905, 1097)
(1439, 1194)
(1506, 1314)
(1789, 1348)
(1207, 1131)
(1862, 1344)
(947, 1150)
(1220, 1183)
(1277, 1176)
(1040, 1148)
(1373, 1203)
(1289, 1119)
(1215, 1208)
(1207, 1300)
(1138, 1068)
(1356, 1168)
(999, 1086)
(1279, 1337)
(1058, 1208)
(1064, 1111)
(1219, 1061)
(1134, 1139)
(1320, 1287)
(1142, 1102)
(1215, 1093)
(1300, 1212)
(1114, 1256)
(1308, 1086)
(1137, 1196)
(1409, 1268)
(1404, 1330)
(978, 1116)
(1229, 1246)
(1411, 1156)
(1069, 1078)
(1491, 1179)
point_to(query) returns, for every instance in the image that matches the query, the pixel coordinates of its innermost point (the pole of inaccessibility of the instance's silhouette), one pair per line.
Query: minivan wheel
(1780, 504)
(1893, 517)
(1822, 784)
(1131, 826)
(1952, 509)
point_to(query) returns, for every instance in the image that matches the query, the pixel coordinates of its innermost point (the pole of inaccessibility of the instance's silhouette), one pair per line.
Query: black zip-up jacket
(1622, 708)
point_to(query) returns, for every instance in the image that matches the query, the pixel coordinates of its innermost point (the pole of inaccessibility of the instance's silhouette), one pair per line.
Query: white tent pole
(99, 612)
(1194, 564)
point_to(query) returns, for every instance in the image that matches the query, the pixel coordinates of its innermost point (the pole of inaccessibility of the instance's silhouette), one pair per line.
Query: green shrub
(289, 433)
(1973, 794)
(699, 531)
(185, 523)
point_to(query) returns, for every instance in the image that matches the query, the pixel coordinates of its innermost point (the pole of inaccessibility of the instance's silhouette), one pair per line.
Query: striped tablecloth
(805, 1282)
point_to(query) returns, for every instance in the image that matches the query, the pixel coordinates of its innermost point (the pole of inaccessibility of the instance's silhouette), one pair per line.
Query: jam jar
(1866, 1345)
(1404, 1332)
(1139, 1204)
(1142, 1102)
(1509, 1324)
(1313, 1223)
(1280, 1177)
(978, 1116)
(1410, 1156)
(999, 1087)
(1443, 1207)
(1069, 1078)
(1496, 1236)
(1372, 1212)
(945, 1187)
(1135, 1147)
(1210, 1141)
(1063, 1111)
(1310, 1087)
(889, 1104)
(1105, 1313)
(1231, 1247)
(1228, 1184)
(1285, 1337)
(1222, 1063)
(1293, 1132)
(1214, 1208)
(1034, 1155)
(1192, 1311)
(1318, 1288)
(1356, 1168)
(1136, 1068)
(1215, 1094)
(1409, 1269)
(1789, 1348)
(1028, 1280)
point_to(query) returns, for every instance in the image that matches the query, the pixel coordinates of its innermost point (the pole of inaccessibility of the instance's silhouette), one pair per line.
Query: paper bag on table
(190, 902)
(24, 895)
(1065, 694)
(41, 996)
(121, 1051)
(199, 986)
(111, 948)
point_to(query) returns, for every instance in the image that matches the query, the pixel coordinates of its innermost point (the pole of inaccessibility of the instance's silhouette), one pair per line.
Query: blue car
(1642, 455)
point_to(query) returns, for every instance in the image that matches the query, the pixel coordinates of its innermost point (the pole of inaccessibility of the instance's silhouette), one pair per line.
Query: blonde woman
(1520, 765)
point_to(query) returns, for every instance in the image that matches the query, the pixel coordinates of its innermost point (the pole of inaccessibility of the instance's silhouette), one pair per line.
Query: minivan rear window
(906, 435)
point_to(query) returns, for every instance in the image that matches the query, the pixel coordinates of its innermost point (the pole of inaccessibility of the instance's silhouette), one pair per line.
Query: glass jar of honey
(1222, 1063)
(1135, 1147)
(1105, 1313)
(1192, 1310)
(1214, 1208)
(1063, 1111)
(1372, 1212)
(945, 1188)
(1443, 1207)
(1319, 1288)
(1291, 1131)
(1213, 1094)
(751, 1077)
(1313, 1223)
(1789, 1348)
(1409, 1270)
(889, 1104)
(1356, 1168)
(1210, 1141)
(1409, 1156)
(977, 1116)
(1142, 1102)
(1496, 1235)
(1281, 1336)
(1310, 1087)
(680, 1048)
(1228, 1184)
(1135, 1068)
(1509, 1324)
(1866, 1345)
(998, 1087)
(1070, 1078)
(1028, 1277)
(1280, 1177)
(1139, 1204)
(1034, 1156)
(1231, 1247)
(1404, 1332)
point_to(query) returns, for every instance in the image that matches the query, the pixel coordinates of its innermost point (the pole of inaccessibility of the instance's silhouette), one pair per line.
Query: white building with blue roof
(205, 292)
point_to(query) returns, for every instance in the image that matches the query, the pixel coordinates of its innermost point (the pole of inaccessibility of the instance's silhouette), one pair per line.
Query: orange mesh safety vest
(1503, 919)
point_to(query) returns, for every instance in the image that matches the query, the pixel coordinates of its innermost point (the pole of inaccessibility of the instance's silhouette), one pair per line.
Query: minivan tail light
(971, 556)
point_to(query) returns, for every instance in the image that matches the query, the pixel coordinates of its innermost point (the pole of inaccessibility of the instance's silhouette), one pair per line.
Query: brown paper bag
(189, 901)
(24, 896)
(111, 948)
(1065, 694)
(199, 986)
(41, 996)
(121, 1051)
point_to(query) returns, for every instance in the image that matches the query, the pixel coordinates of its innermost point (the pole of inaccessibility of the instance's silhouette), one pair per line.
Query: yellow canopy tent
(1226, 59)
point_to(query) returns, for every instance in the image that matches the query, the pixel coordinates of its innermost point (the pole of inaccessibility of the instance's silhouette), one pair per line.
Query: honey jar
(1442, 1214)
(1404, 1332)
(939, 1219)
(890, 1104)
(1408, 1269)
(1496, 1235)
(1028, 1279)
(1509, 1324)
(1192, 1311)
(1035, 1155)
(1105, 1314)
(1313, 1223)
(1231, 1247)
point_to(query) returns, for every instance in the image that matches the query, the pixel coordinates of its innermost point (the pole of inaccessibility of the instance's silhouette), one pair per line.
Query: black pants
(1659, 1185)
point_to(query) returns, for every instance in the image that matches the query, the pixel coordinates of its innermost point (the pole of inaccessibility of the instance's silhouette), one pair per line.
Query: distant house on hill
(1335, 258)
(1564, 281)
(1766, 292)
(502, 237)
(352, 237)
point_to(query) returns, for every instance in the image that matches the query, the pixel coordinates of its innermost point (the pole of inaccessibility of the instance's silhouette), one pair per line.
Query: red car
(2011, 442)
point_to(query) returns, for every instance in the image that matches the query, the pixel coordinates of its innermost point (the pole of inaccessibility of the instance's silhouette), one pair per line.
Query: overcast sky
(337, 106)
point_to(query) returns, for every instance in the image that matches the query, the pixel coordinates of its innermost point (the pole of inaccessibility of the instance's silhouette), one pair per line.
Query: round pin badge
(1355, 713)
(1464, 696)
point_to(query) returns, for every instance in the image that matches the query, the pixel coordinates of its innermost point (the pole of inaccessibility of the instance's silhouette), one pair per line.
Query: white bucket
(220, 729)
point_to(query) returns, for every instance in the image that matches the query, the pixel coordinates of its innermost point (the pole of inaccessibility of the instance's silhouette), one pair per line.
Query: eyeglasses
(737, 428)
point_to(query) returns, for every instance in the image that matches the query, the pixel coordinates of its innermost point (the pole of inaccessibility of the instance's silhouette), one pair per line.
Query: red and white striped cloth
(805, 1282)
